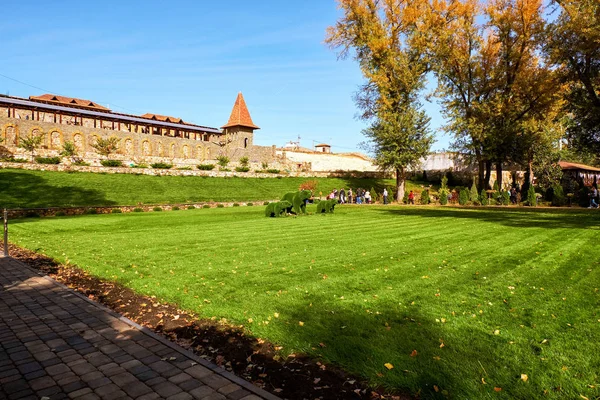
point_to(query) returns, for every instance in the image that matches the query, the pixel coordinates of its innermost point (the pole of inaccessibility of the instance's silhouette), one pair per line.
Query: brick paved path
(57, 344)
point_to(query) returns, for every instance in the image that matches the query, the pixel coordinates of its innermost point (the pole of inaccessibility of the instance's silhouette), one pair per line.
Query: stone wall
(326, 161)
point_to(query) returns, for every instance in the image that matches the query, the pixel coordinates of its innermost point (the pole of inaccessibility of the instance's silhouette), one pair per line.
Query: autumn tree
(388, 39)
(574, 48)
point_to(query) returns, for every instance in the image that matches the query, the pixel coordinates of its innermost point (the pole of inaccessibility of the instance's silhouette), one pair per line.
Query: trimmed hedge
(47, 160)
(111, 163)
(161, 165)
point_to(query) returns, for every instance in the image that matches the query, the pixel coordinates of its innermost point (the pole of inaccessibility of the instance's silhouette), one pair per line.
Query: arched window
(245, 143)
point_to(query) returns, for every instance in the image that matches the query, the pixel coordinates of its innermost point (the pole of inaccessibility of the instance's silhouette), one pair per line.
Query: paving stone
(166, 389)
(190, 385)
(136, 388)
(230, 388)
(105, 390)
(180, 396)
(215, 396)
(237, 395)
(57, 369)
(198, 371)
(123, 379)
(82, 368)
(74, 386)
(202, 391)
(180, 378)
(42, 383)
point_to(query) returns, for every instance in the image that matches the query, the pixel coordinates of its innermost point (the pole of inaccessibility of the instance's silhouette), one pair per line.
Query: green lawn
(31, 189)
(467, 300)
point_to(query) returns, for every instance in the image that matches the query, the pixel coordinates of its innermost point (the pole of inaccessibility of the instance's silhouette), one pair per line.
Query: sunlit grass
(466, 300)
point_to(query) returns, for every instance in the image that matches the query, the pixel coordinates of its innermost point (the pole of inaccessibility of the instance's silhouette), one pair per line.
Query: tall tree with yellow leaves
(389, 40)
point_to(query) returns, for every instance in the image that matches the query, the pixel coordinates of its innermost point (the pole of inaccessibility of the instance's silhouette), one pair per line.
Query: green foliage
(425, 199)
(184, 168)
(31, 143)
(141, 165)
(175, 208)
(47, 160)
(242, 169)
(273, 171)
(374, 195)
(265, 203)
(138, 210)
(244, 161)
(236, 204)
(157, 209)
(444, 191)
(405, 198)
(111, 163)
(474, 195)
(249, 204)
(14, 160)
(277, 209)
(496, 188)
(558, 196)
(205, 206)
(223, 161)
(161, 165)
(265, 165)
(463, 197)
(443, 197)
(220, 205)
(59, 214)
(483, 198)
(116, 211)
(531, 196)
(505, 198)
(206, 167)
(81, 163)
(69, 150)
(91, 211)
(106, 147)
(298, 200)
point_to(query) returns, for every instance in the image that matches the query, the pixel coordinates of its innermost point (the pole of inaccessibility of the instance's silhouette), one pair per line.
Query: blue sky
(189, 60)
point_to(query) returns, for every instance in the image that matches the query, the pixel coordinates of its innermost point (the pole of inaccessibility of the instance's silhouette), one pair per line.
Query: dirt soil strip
(296, 377)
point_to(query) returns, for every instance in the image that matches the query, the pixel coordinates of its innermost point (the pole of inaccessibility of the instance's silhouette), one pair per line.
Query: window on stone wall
(245, 143)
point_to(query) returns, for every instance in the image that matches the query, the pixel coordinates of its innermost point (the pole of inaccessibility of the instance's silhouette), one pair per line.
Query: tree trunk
(499, 174)
(400, 178)
(480, 170)
(530, 171)
(488, 175)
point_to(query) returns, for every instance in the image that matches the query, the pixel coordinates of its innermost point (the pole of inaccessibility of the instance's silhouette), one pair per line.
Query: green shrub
(191, 207)
(496, 188)
(405, 198)
(116, 211)
(463, 197)
(265, 165)
(531, 197)
(474, 195)
(224, 169)
(206, 167)
(81, 163)
(223, 161)
(184, 168)
(157, 209)
(236, 204)
(425, 197)
(244, 161)
(15, 160)
(273, 171)
(374, 195)
(161, 165)
(443, 197)
(91, 211)
(242, 169)
(138, 166)
(206, 206)
(266, 203)
(47, 160)
(504, 198)
(558, 196)
(249, 204)
(59, 214)
(175, 208)
(483, 199)
(111, 163)
(220, 205)
(138, 209)
(32, 214)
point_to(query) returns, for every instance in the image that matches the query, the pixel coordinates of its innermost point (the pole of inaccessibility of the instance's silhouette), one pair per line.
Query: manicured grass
(467, 300)
(31, 189)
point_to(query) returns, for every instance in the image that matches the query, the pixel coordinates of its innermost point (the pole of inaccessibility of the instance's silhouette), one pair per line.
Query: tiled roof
(570, 165)
(164, 118)
(68, 101)
(322, 145)
(240, 116)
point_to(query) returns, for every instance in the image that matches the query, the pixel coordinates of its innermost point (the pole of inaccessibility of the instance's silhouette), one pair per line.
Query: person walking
(385, 196)
(411, 198)
(342, 196)
(359, 196)
(350, 196)
(593, 195)
(368, 197)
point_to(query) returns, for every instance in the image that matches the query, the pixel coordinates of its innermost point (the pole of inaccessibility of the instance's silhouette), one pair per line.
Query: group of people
(361, 196)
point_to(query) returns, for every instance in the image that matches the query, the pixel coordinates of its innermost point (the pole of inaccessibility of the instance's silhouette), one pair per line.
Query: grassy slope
(31, 189)
(364, 282)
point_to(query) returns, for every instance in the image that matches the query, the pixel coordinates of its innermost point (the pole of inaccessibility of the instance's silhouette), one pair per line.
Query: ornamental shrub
(531, 198)
(374, 195)
(474, 195)
(311, 185)
(161, 165)
(463, 197)
(405, 198)
(206, 167)
(81, 163)
(17, 160)
(157, 209)
(175, 208)
(266, 203)
(483, 199)
(273, 171)
(184, 168)
(47, 160)
(242, 169)
(59, 214)
(244, 161)
(558, 196)
(138, 209)
(223, 161)
(425, 197)
(205, 206)
(504, 198)
(249, 204)
(116, 211)
(496, 188)
(220, 205)
(191, 207)
(236, 204)
(443, 197)
(111, 163)
(91, 211)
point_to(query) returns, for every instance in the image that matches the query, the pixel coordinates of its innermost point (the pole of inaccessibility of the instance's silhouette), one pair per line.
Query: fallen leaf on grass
(388, 365)
(497, 389)
(437, 389)
(524, 377)
(300, 323)
(414, 353)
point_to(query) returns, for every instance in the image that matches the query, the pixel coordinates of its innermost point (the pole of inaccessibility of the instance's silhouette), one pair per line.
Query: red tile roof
(322, 145)
(240, 116)
(164, 118)
(570, 165)
(68, 101)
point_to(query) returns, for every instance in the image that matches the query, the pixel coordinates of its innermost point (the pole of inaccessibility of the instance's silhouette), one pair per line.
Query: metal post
(5, 233)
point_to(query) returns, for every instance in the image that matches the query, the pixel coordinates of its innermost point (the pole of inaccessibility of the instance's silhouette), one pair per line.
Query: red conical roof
(240, 116)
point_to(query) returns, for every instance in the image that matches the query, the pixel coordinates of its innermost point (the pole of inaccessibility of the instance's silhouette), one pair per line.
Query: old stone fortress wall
(152, 138)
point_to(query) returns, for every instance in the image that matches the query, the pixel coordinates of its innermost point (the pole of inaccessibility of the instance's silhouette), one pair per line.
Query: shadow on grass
(24, 190)
(514, 217)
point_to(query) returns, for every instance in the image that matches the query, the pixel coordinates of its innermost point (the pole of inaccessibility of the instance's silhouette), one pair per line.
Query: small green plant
(106, 147)
(47, 160)
(483, 199)
(244, 161)
(184, 168)
(463, 197)
(138, 209)
(69, 150)
(266, 203)
(265, 165)
(223, 161)
(191, 207)
(31, 144)
(496, 188)
(59, 214)
(505, 198)
(220, 205)
(425, 199)
(558, 196)
(443, 197)
(249, 204)
(141, 165)
(205, 206)
(157, 209)
(175, 208)
(531, 197)
(161, 165)
(236, 204)
(81, 163)
(474, 195)
(15, 160)
(273, 171)
(206, 167)
(224, 169)
(241, 169)
(91, 211)
(111, 163)
(405, 197)
(116, 211)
